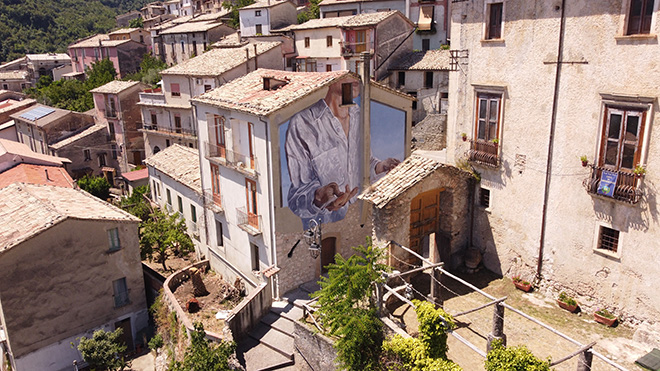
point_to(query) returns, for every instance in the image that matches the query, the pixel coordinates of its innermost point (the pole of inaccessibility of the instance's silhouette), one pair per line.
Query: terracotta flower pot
(585, 163)
(570, 308)
(464, 138)
(524, 287)
(604, 320)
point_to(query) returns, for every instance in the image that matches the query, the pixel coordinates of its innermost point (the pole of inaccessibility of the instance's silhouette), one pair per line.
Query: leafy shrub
(156, 342)
(519, 358)
(202, 355)
(96, 185)
(434, 324)
(605, 313)
(102, 351)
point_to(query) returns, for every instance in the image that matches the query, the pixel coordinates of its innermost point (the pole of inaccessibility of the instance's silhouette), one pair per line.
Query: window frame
(219, 234)
(625, 113)
(608, 253)
(114, 242)
(489, 96)
(347, 94)
(251, 197)
(307, 42)
(488, 19)
(480, 199)
(257, 13)
(640, 29)
(428, 79)
(328, 41)
(175, 89)
(87, 153)
(118, 294)
(401, 78)
(179, 202)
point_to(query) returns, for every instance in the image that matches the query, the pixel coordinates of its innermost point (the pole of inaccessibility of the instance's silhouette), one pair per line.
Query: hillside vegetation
(40, 26)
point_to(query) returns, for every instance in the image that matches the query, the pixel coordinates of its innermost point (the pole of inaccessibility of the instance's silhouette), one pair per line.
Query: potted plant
(566, 302)
(639, 171)
(495, 141)
(605, 317)
(521, 284)
(584, 160)
(464, 136)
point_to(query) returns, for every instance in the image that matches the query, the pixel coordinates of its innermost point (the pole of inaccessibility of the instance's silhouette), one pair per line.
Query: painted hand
(331, 197)
(386, 165)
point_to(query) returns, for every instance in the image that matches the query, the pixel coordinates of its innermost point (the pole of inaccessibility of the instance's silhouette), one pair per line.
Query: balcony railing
(233, 159)
(484, 153)
(163, 129)
(122, 298)
(152, 96)
(627, 187)
(110, 113)
(249, 222)
(351, 49)
(213, 201)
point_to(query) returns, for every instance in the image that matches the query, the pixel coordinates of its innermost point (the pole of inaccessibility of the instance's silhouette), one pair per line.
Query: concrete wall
(522, 66)
(129, 57)
(174, 53)
(69, 290)
(248, 313)
(318, 48)
(98, 144)
(316, 350)
(275, 17)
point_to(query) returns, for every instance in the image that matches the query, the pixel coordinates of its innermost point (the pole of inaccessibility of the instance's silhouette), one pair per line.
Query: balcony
(235, 160)
(152, 96)
(353, 49)
(248, 222)
(185, 132)
(484, 153)
(213, 201)
(110, 113)
(627, 187)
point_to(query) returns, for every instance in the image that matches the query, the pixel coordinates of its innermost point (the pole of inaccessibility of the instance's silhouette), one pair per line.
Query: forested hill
(39, 26)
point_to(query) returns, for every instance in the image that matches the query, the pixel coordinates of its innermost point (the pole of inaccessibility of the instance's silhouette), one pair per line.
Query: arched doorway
(328, 251)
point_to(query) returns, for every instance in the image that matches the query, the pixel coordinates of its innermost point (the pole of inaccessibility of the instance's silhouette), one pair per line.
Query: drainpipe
(256, 66)
(273, 247)
(247, 60)
(553, 124)
(366, 129)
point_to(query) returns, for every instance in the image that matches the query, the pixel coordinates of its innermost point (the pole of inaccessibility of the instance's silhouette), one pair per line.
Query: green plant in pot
(639, 171)
(464, 136)
(585, 160)
(605, 317)
(567, 302)
(521, 284)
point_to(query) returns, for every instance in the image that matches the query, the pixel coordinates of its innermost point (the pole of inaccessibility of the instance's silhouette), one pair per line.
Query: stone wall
(316, 350)
(431, 133)
(248, 313)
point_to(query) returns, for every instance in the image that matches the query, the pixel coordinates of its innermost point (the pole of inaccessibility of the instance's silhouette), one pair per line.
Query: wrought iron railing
(181, 130)
(350, 49)
(249, 220)
(484, 153)
(231, 158)
(627, 187)
(213, 200)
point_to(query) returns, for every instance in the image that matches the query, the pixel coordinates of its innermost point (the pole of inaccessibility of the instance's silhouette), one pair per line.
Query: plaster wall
(523, 65)
(97, 144)
(429, 100)
(318, 46)
(283, 15)
(41, 309)
(391, 41)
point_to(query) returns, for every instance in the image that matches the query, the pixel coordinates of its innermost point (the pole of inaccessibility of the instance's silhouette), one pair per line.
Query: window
(328, 68)
(621, 138)
(257, 13)
(114, 151)
(428, 79)
(183, 48)
(328, 41)
(120, 292)
(179, 201)
(167, 142)
(639, 17)
(414, 103)
(346, 93)
(207, 88)
(401, 78)
(193, 213)
(174, 88)
(258, 29)
(484, 197)
(177, 123)
(219, 126)
(154, 119)
(251, 194)
(251, 144)
(194, 47)
(255, 257)
(218, 233)
(102, 159)
(215, 184)
(307, 42)
(113, 239)
(494, 21)
(608, 239)
(111, 128)
(158, 190)
(426, 44)
(87, 154)
(169, 197)
(488, 116)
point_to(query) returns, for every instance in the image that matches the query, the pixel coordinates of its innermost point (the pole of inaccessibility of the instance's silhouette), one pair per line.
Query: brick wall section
(431, 133)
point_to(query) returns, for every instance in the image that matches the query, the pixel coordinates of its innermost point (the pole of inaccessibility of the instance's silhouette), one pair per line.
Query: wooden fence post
(498, 326)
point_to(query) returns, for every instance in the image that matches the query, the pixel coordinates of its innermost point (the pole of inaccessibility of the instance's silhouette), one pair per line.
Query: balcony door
(219, 129)
(251, 194)
(360, 41)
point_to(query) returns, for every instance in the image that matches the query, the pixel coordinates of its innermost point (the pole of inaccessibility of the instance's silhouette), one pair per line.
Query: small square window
(328, 41)
(257, 13)
(307, 42)
(484, 197)
(608, 239)
(113, 239)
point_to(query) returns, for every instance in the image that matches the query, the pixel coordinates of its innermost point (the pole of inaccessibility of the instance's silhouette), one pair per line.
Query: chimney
(247, 60)
(255, 57)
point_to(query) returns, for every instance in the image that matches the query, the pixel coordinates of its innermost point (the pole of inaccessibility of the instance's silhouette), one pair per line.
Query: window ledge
(608, 254)
(636, 37)
(492, 41)
(110, 252)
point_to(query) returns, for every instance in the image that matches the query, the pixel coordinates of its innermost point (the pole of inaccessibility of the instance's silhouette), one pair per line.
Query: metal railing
(627, 184)
(231, 158)
(110, 113)
(163, 129)
(248, 220)
(152, 97)
(213, 201)
(484, 153)
(349, 49)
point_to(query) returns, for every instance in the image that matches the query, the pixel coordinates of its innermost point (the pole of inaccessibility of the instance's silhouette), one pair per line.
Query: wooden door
(328, 251)
(127, 333)
(424, 218)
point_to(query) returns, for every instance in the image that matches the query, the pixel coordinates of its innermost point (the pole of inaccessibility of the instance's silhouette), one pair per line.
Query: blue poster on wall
(607, 183)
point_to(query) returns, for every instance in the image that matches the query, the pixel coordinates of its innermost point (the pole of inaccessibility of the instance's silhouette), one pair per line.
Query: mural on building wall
(321, 150)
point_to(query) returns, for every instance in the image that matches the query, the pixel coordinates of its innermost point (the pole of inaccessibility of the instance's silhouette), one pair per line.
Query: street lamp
(312, 238)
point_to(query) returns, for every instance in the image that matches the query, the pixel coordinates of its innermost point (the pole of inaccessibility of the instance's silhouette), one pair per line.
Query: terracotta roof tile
(431, 60)
(115, 87)
(132, 176)
(179, 163)
(36, 174)
(93, 41)
(265, 4)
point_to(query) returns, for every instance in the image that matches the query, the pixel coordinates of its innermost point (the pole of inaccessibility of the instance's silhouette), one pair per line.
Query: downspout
(553, 124)
(273, 247)
(204, 202)
(366, 130)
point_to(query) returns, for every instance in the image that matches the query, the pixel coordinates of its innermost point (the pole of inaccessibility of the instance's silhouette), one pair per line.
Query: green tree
(202, 355)
(100, 73)
(312, 12)
(103, 351)
(150, 69)
(501, 358)
(233, 7)
(96, 185)
(136, 23)
(348, 307)
(136, 203)
(163, 235)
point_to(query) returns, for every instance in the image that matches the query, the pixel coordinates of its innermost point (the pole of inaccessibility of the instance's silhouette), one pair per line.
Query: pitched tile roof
(68, 140)
(265, 4)
(28, 209)
(319, 23)
(230, 41)
(13, 75)
(20, 152)
(122, 31)
(247, 93)
(179, 163)
(49, 57)
(36, 174)
(134, 175)
(215, 62)
(56, 114)
(431, 60)
(398, 180)
(115, 87)
(94, 41)
(369, 19)
(191, 27)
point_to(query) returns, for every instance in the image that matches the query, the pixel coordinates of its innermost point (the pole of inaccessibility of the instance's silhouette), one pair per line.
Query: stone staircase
(270, 344)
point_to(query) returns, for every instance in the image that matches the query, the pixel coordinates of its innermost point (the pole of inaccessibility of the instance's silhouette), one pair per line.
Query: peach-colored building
(126, 55)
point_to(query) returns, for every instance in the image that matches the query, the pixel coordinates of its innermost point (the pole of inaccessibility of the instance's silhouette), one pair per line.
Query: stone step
(276, 322)
(259, 357)
(287, 310)
(274, 339)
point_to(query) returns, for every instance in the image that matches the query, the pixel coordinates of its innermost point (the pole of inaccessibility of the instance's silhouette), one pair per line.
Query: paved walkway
(144, 362)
